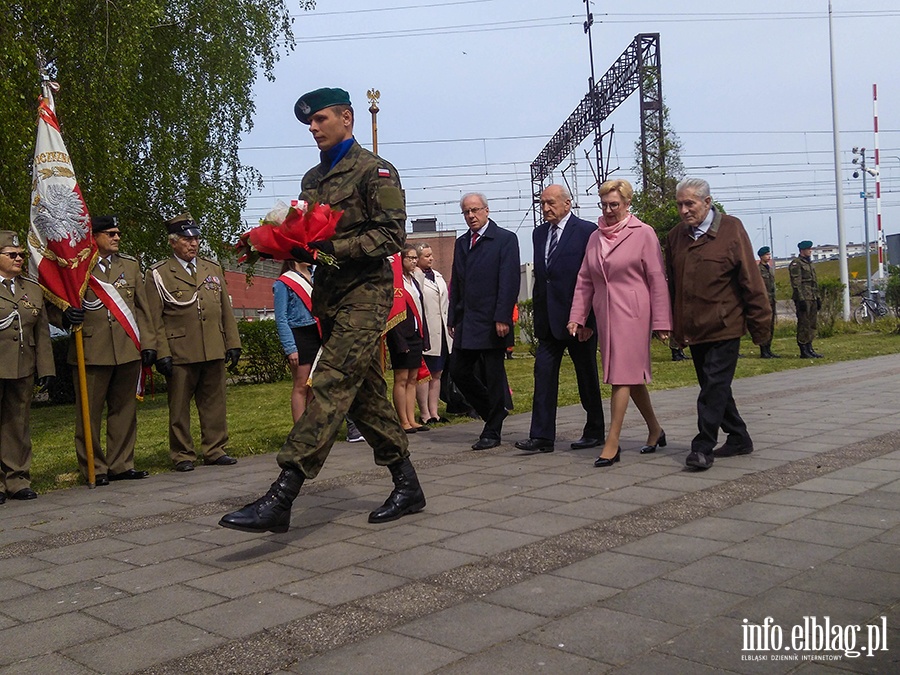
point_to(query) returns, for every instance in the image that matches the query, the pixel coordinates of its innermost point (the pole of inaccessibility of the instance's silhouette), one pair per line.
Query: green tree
(656, 205)
(154, 98)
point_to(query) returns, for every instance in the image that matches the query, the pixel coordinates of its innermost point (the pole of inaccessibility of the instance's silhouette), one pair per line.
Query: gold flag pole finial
(374, 95)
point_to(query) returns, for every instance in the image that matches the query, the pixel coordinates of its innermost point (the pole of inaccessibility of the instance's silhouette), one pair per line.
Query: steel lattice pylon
(637, 68)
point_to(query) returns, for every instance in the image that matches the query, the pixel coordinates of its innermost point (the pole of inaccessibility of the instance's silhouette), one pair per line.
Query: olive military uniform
(352, 303)
(24, 350)
(112, 365)
(768, 277)
(806, 298)
(198, 327)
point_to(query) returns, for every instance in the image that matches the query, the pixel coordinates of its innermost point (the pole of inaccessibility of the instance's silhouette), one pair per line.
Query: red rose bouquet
(286, 228)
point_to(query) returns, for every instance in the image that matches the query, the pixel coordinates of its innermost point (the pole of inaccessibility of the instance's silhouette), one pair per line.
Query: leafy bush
(892, 290)
(262, 358)
(831, 291)
(526, 325)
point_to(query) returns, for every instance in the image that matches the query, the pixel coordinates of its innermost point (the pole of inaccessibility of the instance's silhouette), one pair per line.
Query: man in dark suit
(483, 291)
(559, 245)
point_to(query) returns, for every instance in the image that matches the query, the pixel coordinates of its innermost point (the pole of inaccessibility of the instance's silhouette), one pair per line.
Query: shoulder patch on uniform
(390, 197)
(384, 172)
(159, 263)
(126, 257)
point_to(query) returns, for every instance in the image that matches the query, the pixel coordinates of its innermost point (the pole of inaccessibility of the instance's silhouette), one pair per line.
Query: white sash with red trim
(114, 302)
(303, 288)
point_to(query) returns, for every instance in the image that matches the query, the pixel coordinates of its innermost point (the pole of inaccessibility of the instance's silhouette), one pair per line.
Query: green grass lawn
(259, 416)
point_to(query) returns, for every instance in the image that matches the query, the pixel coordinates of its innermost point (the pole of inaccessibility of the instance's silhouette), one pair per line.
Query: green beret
(806, 243)
(9, 238)
(316, 100)
(183, 225)
(761, 252)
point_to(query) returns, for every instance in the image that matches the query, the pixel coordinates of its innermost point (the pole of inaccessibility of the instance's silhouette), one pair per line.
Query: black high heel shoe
(661, 442)
(602, 461)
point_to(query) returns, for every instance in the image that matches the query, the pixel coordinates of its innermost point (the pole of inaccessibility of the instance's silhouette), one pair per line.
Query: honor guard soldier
(24, 350)
(351, 301)
(768, 276)
(200, 337)
(119, 335)
(805, 289)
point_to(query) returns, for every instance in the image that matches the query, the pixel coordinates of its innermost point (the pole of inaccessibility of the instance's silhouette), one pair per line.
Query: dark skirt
(408, 360)
(308, 342)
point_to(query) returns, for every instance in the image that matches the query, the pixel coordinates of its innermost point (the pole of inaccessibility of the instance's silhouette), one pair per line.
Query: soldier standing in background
(24, 350)
(113, 354)
(806, 299)
(352, 302)
(768, 276)
(201, 336)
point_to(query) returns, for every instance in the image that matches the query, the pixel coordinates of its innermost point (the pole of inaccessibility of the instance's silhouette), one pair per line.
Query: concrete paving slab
(133, 611)
(549, 595)
(386, 654)
(519, 656)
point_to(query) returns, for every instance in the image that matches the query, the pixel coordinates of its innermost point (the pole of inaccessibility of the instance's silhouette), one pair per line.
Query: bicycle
(871, 308)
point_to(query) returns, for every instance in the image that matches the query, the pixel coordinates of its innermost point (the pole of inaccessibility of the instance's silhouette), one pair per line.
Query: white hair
(473, 194)
(696, 185)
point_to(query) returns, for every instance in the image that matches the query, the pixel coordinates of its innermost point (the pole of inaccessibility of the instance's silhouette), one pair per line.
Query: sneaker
(353, 434)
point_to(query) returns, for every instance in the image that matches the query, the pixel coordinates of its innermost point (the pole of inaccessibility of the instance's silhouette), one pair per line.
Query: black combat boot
(272, 511)
(407, 496)
(771, 354)
(678, 355)
(764, 352)
(812, 352)
(804, 351)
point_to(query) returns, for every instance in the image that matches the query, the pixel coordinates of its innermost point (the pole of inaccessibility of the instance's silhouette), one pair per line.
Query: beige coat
(197, 319)
(26, 352)
(436, 299)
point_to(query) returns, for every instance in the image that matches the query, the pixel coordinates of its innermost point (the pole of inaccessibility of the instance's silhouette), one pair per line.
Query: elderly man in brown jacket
(199, 336)
(717, 295)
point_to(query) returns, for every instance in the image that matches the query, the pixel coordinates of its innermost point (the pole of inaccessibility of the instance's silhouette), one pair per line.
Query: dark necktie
(9, 286)
(474, 239)
(554, 240)
(104, 265)
(190, 269)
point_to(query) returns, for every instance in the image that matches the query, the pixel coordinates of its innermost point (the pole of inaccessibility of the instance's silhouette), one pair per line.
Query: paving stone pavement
(520, 563)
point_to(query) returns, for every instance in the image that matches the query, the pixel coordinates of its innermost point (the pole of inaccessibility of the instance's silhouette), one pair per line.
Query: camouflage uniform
(352, 304)
(768, 277)
(806, 298)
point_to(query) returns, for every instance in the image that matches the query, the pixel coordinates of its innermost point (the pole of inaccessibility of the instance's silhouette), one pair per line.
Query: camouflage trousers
(347, 379)
(806, 322)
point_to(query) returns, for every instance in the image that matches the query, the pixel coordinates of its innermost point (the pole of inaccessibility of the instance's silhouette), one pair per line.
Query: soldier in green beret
(806, 299)
(768, 274)
(352, 302)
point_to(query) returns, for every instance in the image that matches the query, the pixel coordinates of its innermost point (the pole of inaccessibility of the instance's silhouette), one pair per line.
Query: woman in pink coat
(623, 280)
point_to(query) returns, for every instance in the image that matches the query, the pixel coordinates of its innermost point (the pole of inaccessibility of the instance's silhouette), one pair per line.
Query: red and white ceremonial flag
(60, 240)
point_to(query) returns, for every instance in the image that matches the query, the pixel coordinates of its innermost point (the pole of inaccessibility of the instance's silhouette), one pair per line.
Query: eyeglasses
(13, 255)
(410, 257)
(111, 234)
(610, 205)
(466, 212)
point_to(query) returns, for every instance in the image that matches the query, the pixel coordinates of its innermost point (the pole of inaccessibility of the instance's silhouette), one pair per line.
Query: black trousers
(714, 363)
(547, 362)
(480, 375)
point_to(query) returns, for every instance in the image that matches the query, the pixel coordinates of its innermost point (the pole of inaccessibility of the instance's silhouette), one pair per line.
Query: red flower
(297, 229)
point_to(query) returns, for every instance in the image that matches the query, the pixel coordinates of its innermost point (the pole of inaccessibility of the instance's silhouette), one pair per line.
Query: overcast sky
(472, 90)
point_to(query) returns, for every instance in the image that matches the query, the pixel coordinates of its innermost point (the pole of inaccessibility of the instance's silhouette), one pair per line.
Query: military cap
(9, 238)
(806, 243)
(103, 223)
(183, 225)
(316, 100)
(765, 249)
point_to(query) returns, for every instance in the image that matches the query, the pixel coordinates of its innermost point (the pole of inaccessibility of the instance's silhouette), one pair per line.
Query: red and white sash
(113, 301)
(303, 288)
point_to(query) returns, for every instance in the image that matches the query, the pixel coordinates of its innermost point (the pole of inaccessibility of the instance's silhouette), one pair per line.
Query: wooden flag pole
(85, 407)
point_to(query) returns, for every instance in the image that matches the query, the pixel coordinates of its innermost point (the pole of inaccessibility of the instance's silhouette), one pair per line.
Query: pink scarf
(610, 231)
